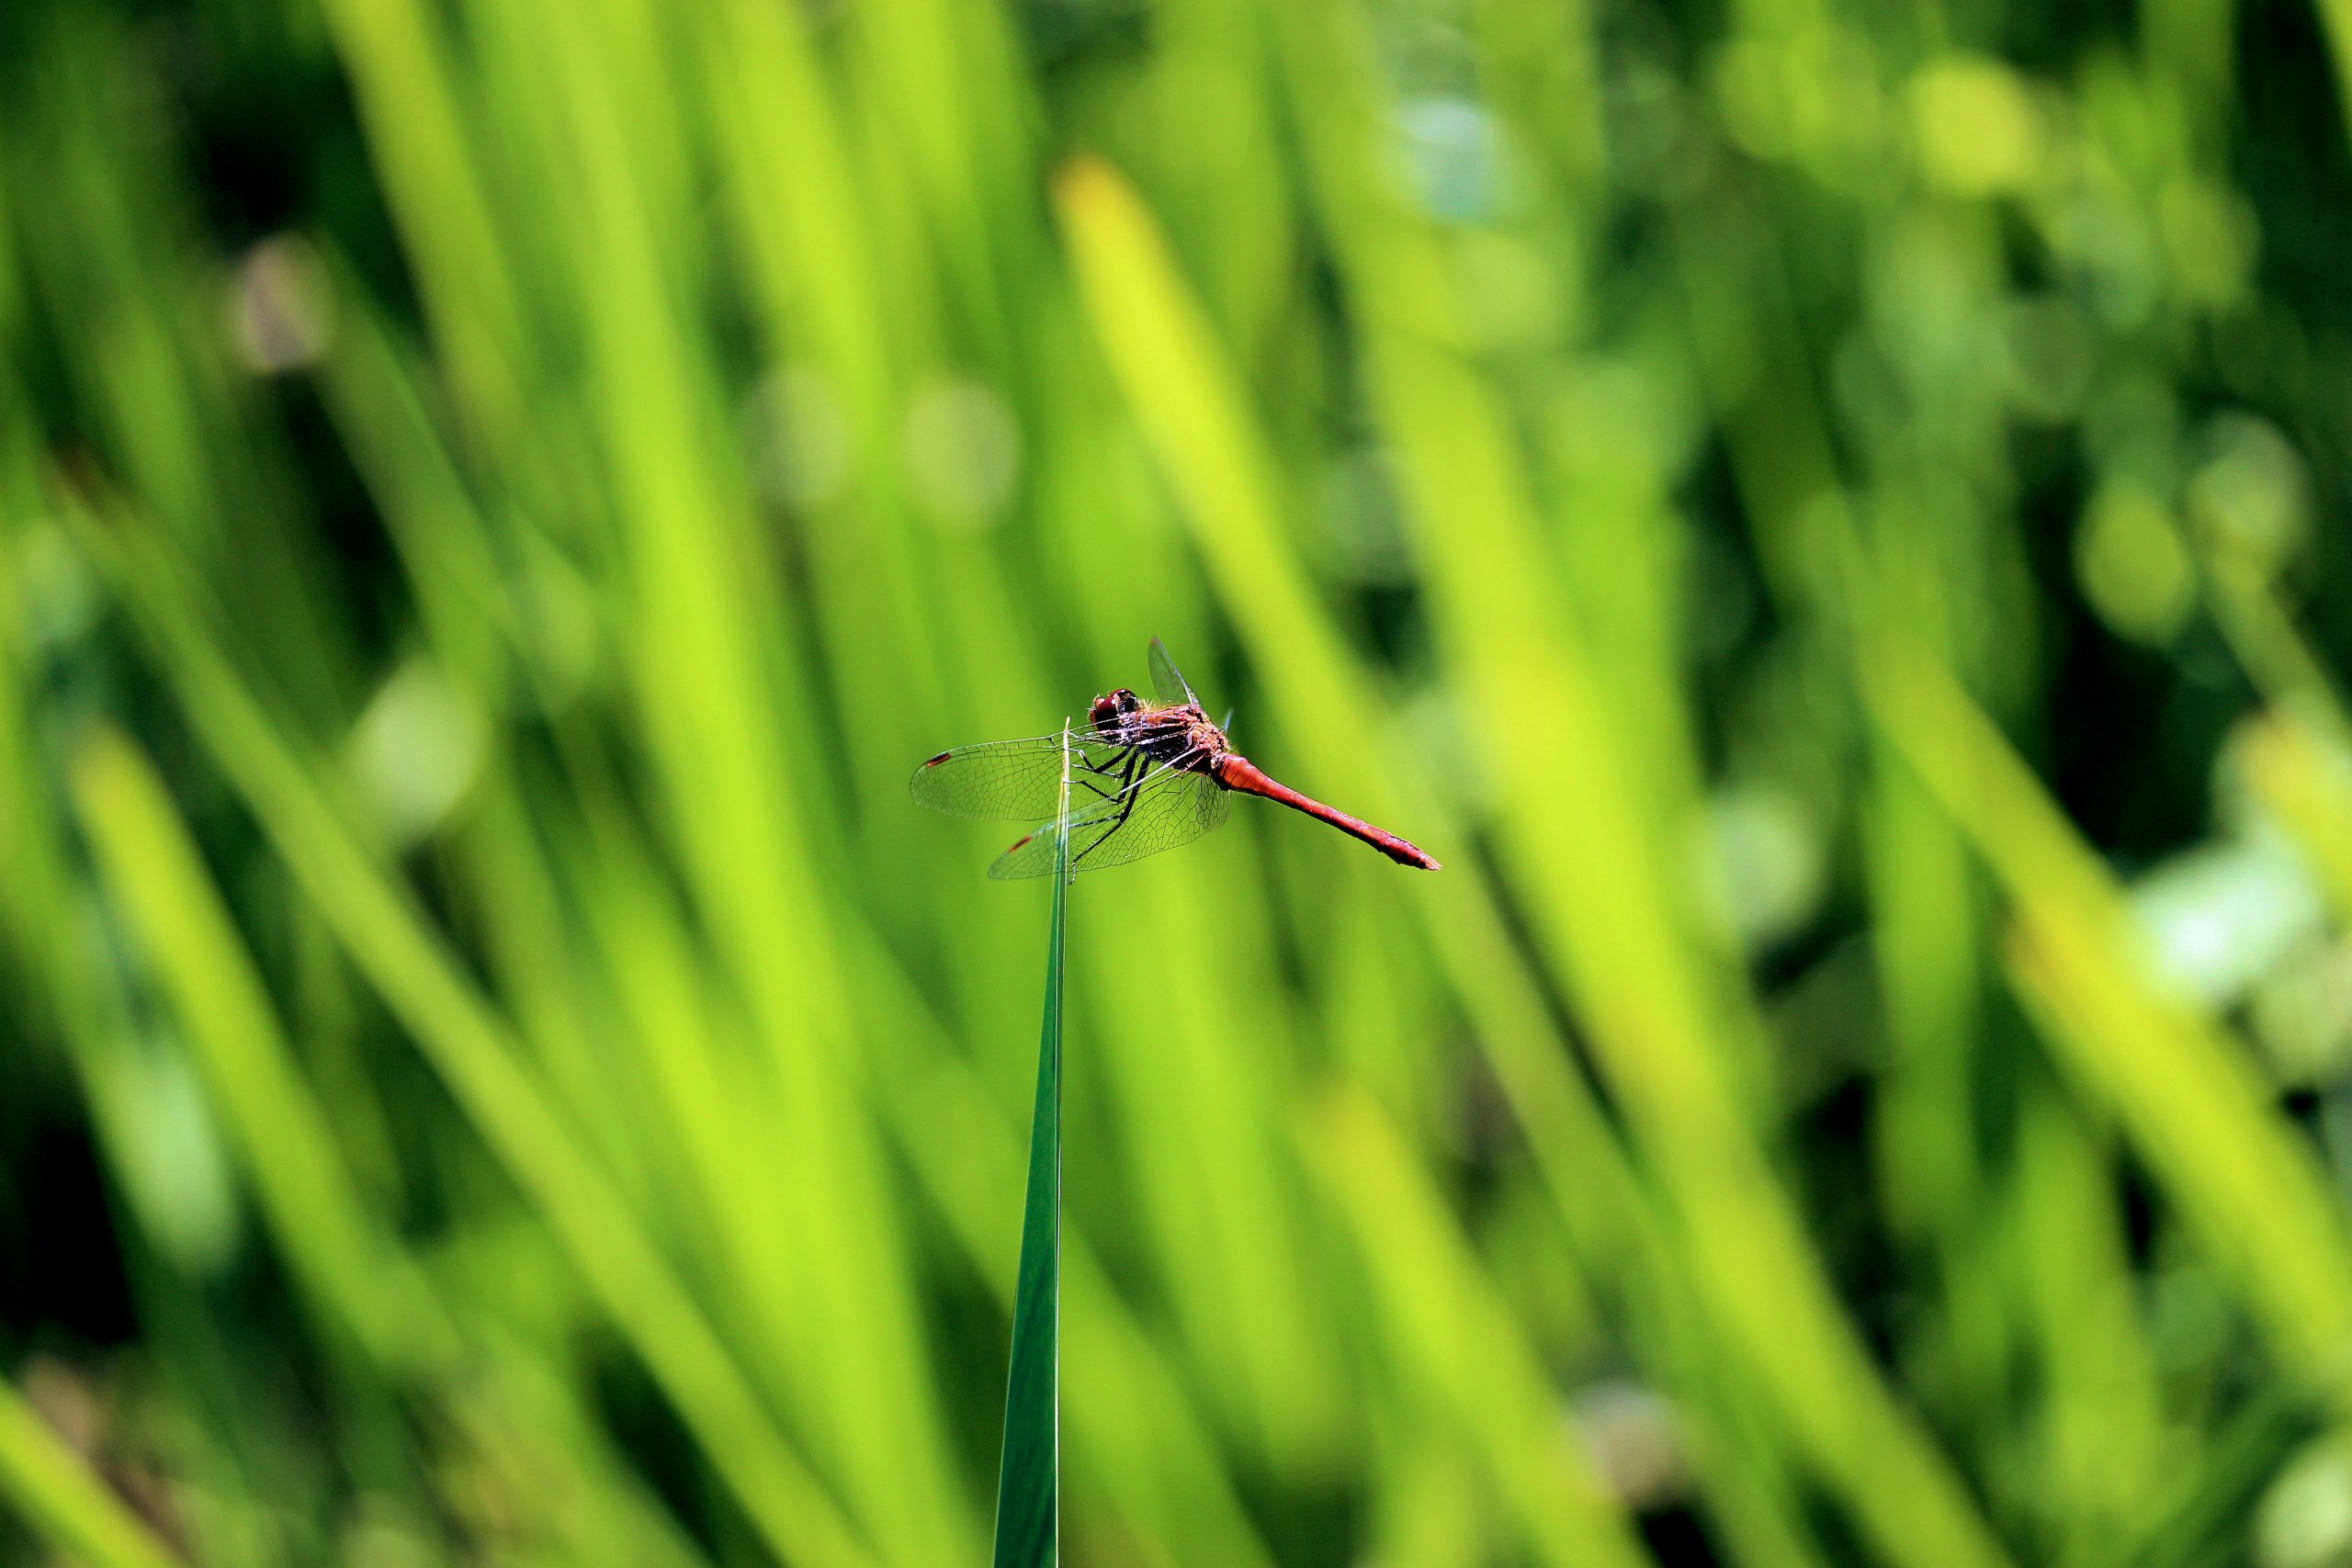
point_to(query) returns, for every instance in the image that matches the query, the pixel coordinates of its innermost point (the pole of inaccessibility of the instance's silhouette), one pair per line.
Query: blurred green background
(1825, 517)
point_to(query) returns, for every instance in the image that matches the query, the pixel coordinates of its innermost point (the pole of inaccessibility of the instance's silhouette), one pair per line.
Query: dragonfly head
(1113, 709)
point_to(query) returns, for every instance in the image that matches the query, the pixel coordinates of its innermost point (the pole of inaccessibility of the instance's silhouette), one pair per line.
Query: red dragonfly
(1145, 777)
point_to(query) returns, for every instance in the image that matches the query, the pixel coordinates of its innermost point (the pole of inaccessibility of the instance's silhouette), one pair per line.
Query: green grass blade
(1027, 1484)
(153, 868)
(410, 101)
(2184, 1088)
(1145, 1434)
(58, 1497)
(474, 1048)
(1457, 1334)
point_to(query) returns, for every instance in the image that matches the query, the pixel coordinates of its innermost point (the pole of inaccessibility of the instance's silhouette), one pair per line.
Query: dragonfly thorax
(1174, 735)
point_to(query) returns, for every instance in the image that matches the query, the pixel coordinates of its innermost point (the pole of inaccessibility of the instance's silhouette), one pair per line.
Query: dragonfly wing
(1021, 780)
(1214, 803)
(1168, 808)
(1167, 682)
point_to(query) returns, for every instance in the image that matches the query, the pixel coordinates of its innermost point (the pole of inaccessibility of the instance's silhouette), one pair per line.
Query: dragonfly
(1143, 777)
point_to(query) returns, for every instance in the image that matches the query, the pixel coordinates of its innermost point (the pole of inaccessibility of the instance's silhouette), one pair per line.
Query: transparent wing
(1020, 781)
(1168, 808)
(1167, 682)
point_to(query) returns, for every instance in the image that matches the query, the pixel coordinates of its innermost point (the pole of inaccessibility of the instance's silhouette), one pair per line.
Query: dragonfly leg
(1126, 770)
(1126, 809)
(1128, 787)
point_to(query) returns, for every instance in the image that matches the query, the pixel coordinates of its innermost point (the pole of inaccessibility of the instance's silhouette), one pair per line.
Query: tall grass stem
(1027, 1490)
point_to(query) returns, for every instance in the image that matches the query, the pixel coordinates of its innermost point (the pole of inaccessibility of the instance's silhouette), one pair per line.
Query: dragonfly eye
(1112, 706)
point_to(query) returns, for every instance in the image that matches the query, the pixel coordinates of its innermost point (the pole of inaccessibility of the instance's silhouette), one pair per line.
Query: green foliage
(1028, 1484)
(1820, 516)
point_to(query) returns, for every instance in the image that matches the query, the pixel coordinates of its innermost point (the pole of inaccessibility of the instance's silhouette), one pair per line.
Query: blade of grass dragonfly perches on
(1028, 1477)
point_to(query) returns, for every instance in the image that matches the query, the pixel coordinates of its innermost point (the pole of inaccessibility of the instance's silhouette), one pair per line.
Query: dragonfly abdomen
(1237, 772)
